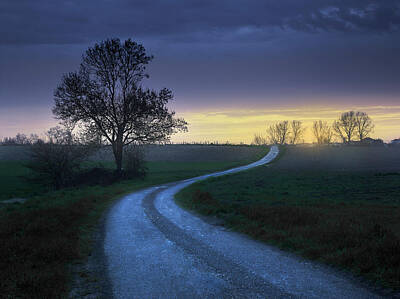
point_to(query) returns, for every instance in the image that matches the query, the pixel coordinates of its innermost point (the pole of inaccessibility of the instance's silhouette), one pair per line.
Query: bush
(58, 160)
(133, 162)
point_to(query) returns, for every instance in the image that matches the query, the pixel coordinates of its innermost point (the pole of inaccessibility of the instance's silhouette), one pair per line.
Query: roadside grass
(43, 236)
(348, 219)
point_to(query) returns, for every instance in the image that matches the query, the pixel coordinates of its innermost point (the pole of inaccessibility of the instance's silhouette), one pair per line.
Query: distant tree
(364, 125)
(8, 141)
(33, 138)
(296, 131)
(21, 139)
(106, 98)
(322, 132)
(259, 140)
(278, 133)
(345, 126)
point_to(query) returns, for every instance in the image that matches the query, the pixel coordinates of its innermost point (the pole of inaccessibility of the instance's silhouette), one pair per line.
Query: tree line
(350, 126)
(20, 139)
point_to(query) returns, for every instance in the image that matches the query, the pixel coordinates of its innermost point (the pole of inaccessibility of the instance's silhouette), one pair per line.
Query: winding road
(154, 249)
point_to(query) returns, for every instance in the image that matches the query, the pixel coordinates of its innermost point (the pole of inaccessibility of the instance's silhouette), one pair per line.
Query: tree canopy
(106, 98)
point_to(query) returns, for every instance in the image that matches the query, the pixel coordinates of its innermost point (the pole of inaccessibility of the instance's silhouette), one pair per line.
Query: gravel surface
(154, 249)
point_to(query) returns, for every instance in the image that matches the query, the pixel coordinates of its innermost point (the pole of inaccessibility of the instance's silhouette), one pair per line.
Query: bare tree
(345, 126)
(259, 140)
(364, 125)
(322, 132)
(21, 139)
(278, 133)
(296, 132)
(105, 96)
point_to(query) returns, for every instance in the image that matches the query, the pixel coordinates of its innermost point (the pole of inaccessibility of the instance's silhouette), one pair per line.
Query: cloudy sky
(234, 65)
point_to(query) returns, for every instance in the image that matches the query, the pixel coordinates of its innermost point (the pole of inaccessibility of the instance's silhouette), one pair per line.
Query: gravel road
(154, 249)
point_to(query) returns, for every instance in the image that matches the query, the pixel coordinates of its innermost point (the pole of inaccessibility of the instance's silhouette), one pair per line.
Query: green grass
(349, 219)
(12, 182)
(15, 177)
(41, 237)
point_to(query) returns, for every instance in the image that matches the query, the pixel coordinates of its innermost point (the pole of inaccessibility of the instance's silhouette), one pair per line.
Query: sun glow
(222, 125)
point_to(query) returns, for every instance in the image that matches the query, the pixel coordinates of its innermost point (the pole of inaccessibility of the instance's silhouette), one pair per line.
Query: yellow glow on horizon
(238, 126)
(233, 125)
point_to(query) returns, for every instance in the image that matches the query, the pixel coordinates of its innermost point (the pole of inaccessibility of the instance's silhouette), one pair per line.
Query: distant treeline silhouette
(352, 127)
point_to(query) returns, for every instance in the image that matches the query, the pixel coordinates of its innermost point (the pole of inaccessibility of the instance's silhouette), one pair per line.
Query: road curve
(154, 249)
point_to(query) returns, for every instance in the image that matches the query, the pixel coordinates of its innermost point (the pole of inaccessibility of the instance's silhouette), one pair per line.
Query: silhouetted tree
(345, 126)
(19, 139)
(259, 140)
(296, 131)
(278, 133)
(322, 132)
(364, 125)
(105, 97)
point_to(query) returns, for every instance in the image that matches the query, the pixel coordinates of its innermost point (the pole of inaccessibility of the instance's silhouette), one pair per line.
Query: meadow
(336, 205)
(54, 229)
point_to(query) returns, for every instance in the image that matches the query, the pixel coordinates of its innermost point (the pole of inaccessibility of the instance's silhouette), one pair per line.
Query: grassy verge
(42, 236)
(347, 219)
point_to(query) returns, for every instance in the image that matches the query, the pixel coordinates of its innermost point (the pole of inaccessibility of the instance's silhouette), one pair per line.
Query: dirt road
(154, 249)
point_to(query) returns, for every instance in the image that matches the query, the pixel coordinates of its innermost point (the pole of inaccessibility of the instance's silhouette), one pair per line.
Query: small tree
(259, 140)
(364, 125)
(345, 126)
(296, 132)
(21, 139)
(105, 97)
(322, 132)
(278, 133)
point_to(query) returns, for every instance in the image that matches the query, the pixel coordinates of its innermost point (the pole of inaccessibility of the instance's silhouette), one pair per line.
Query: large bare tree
(105, 97)
(296, 131)
(278, 133)
(345, 126)
(364, 125)
(322, 132)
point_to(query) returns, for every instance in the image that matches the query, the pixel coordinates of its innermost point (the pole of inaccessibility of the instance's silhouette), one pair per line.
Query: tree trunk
(117, 150)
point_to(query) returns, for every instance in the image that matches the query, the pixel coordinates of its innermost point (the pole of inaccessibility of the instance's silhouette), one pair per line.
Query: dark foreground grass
(41, 237)
(348, 219)
(12, 181)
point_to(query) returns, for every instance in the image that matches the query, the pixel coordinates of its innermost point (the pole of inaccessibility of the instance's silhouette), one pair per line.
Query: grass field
(175, 160)
(153, 153)
(41, 237)
(340, 206)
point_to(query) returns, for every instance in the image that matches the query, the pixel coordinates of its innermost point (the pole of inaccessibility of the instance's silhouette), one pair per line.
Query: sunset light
(200, 149)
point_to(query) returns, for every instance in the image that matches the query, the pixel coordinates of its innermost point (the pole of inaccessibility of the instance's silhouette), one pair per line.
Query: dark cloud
(65, 22)
(211, 52)
(352, 16)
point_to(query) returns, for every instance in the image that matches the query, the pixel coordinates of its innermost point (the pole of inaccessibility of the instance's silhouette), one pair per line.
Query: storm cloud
(66, 22)
(225, 54)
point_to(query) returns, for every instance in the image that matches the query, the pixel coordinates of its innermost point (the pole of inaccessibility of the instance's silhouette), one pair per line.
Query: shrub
(133, 162)
(59, 159)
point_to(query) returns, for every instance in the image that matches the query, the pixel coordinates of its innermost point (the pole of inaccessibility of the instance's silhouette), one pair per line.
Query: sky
(235, 66)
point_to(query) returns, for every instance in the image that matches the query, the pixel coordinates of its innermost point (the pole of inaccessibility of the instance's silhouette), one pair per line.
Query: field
(175, 160)
(42, 236)
(336, 205)
(153, 153)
